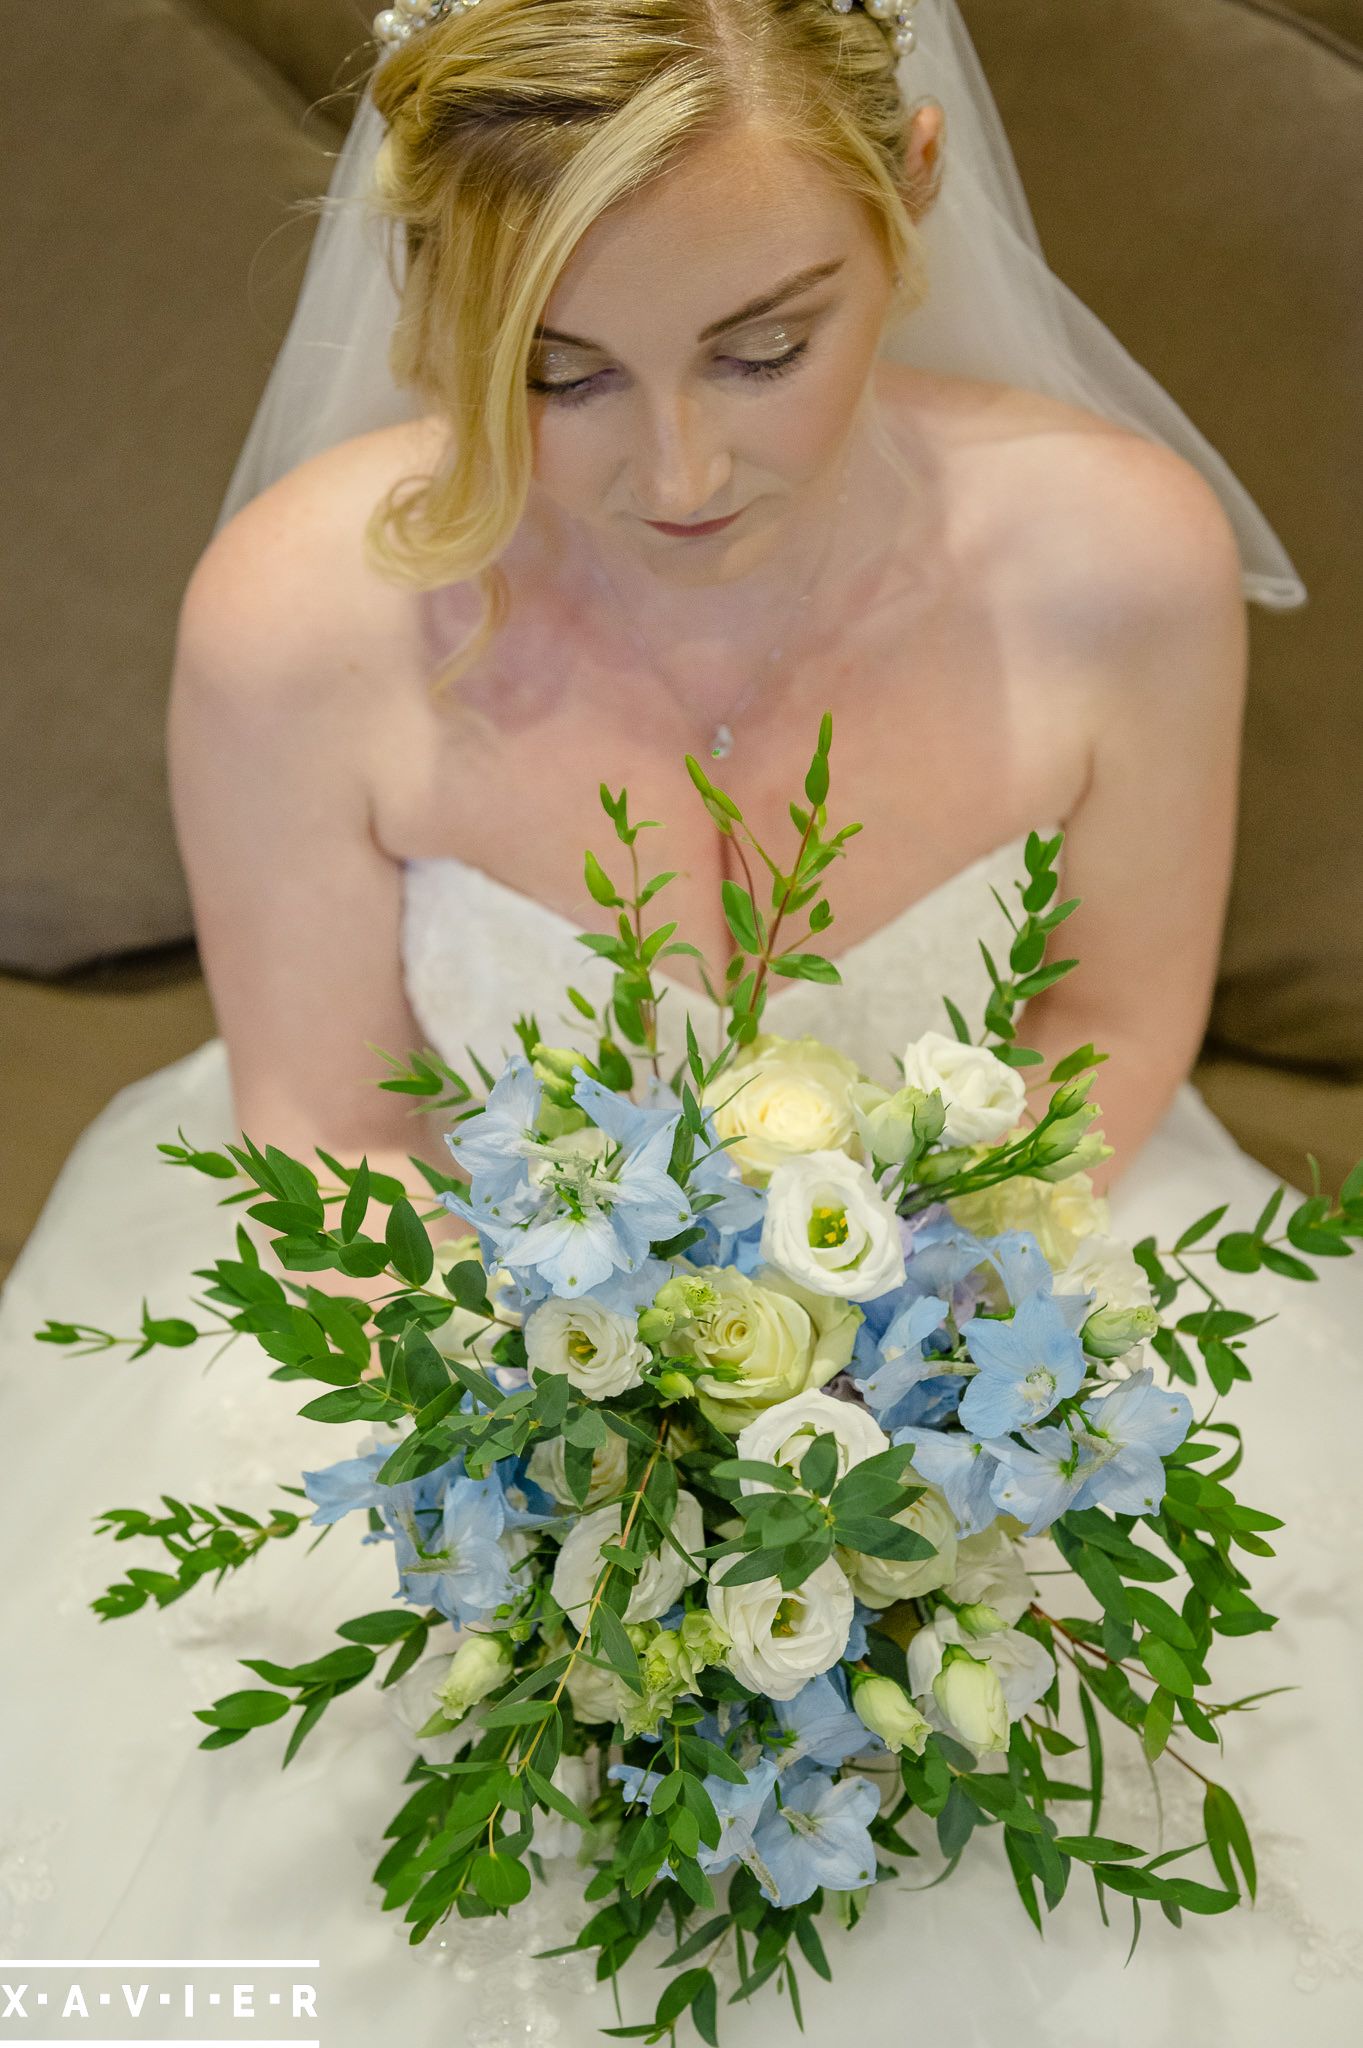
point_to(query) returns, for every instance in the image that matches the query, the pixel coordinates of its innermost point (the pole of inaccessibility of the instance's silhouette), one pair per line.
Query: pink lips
(705, 526)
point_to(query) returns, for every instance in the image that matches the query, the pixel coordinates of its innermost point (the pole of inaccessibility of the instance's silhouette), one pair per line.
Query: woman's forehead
(733, 216)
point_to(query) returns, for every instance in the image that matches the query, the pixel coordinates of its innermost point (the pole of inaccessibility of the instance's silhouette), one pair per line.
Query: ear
(923, 157)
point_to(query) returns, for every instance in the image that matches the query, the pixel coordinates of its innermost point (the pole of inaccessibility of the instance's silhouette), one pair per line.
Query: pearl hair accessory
(399, 23)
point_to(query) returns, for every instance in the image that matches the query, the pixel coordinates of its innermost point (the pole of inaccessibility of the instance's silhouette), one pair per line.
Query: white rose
(1057, 1215)
(782, 1435)
(596, 1349)
(784, 1097)
(983, 1097)
(990, 1573)
(761, 1335)
(829, 1227)
(610, 1469)
(660, 1582)
(880, 1581)
(778, 1641)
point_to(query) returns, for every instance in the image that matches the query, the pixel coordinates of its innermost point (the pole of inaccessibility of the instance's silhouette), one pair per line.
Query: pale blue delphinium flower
(352, 1484)
(1026, 1365)
(637, 1783)
(739, 1809)
(818, 1837)
(820, 1727)
(1128, 1435)
(888, 1368)
(464, 1571)
(495, 1147)
(601, 1204)
(960, 1468)
(1038, 1481)
(524, 1505)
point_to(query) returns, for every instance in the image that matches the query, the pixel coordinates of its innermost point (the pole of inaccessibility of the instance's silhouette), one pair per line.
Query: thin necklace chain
(721, 740)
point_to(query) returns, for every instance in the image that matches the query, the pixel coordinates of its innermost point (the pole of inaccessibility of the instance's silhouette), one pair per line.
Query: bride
(728, 385)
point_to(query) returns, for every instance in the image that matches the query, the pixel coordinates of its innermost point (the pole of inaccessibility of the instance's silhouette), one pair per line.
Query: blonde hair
(512, 128)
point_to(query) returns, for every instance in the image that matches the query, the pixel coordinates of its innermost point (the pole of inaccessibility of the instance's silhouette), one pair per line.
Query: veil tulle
(995, 310)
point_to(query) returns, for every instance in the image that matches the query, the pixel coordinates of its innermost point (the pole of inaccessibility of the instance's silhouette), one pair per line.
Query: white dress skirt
(122, 1842)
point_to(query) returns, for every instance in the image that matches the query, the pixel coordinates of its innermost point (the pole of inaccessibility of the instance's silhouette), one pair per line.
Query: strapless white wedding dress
(120, 1839)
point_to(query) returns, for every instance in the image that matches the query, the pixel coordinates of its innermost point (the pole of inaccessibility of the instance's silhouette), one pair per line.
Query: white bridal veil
(995, 310)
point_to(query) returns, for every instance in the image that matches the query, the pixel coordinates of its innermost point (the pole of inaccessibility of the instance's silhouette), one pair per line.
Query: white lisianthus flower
(1022, 1670)
(610, 1469)
(1106, 1268)
(782, 1435)
(555, 1834)
(763, 1341)
(478, 1667)
(880, 1581)
(415, 1701)
(778, 1641)
(464, 1335)
(968, 1692)
(1058, 1215)
(829, 1227)
(1123, 1305)
(597, 1694)
(597, 1350)
(782, 1098)
(660, 1582)
(888, 1712)
(983, 1097)
(990, 1573)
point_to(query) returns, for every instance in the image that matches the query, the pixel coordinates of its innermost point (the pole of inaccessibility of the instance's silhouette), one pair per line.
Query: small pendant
(723, 743)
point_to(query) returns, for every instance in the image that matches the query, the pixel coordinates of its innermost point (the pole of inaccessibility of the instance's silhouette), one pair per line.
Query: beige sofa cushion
(154, 264)
(1196, 170)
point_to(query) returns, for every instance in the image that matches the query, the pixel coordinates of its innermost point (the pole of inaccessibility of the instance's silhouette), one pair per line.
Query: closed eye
(746, 367)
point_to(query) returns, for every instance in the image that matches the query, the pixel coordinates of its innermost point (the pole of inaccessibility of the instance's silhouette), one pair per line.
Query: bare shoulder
(285, 599)
(1107, 538)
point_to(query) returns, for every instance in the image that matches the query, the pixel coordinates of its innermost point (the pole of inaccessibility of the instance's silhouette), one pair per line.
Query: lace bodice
(477, 953)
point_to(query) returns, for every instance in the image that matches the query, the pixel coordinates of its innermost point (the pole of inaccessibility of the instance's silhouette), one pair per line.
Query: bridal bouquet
(725, 1450)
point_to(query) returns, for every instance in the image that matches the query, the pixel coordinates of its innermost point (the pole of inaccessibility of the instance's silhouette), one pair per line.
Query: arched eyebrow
(799, 281)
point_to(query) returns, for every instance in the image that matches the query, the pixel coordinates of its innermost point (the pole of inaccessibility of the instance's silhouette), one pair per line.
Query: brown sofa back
(152, 264)
(1196, 170)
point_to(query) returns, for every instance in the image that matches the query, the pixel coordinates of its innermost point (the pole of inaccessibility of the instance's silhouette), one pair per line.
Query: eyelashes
(583, 388)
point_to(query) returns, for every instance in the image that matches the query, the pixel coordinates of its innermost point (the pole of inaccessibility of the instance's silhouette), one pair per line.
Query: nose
(682, 463)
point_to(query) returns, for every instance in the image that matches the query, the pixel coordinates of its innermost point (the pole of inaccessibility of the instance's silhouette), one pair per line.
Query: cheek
(571, 462)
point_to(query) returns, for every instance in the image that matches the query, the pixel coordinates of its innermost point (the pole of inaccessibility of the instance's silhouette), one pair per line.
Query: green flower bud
(969, 1694)
(478, 1667)
(675, 1386)
(1061, 1140)
(940, 1166)
(1091, 1151)
(889, 1126)
(684, 1296)
(979, 1619)
(889, 1713)
(558, 1120)
(702, 1638)
(1111, 1332)
(655, 1324)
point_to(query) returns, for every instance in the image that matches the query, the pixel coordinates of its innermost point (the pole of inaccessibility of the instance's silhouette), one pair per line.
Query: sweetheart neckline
(882, 932)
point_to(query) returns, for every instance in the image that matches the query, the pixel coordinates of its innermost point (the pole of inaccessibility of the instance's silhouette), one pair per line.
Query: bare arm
(297, 908)
(1149, 847)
